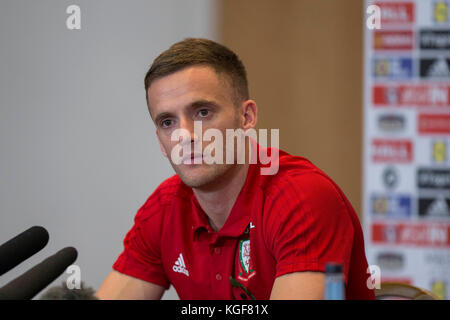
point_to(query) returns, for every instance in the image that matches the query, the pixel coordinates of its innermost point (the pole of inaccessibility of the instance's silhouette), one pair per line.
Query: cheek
(230, 120)
(166, 144)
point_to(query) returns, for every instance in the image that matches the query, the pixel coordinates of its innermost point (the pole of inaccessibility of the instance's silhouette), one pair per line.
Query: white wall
(78, 153)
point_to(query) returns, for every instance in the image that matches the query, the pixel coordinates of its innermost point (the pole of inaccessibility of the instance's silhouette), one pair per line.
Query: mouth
(193, 159)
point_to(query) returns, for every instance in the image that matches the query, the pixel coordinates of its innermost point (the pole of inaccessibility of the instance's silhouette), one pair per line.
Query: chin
(201, 176)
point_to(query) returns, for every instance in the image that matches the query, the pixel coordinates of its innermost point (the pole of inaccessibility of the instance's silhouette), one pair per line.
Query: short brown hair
(197, 51)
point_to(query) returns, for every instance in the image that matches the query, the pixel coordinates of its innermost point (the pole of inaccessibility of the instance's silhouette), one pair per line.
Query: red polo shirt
(295, 220)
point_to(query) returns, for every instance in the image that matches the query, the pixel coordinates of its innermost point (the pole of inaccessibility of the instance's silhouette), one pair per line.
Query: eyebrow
(162, 116)
(202, 103)
(193, 105)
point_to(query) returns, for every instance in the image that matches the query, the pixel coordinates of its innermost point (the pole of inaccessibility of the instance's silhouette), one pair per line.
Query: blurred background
(78, 153)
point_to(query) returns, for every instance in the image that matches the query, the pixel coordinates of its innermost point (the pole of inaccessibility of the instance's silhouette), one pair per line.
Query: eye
(166, 123)
(204, 113)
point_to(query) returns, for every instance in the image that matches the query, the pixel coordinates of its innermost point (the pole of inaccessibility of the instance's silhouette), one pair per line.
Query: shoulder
(151, 218)
(169, 191)
(297, 176)
(301, 191)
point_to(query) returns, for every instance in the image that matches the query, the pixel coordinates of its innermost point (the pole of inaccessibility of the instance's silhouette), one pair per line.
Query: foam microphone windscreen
(29, 284)
(21, 247)
(62, 292)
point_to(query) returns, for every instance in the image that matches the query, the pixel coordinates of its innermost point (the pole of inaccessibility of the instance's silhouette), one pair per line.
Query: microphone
(62, 292)
(21, 247)
(29, 284)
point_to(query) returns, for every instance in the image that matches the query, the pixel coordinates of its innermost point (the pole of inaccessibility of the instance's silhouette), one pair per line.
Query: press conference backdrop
(78, 152)
(406, 144)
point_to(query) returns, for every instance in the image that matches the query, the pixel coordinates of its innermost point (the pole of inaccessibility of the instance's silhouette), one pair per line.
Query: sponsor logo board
(435, 68)
(393, 12)
(391, 261)
(434, 123)
(392, 151)
(439, 152)
(391, 123)
(431, 178)
(419, 234)
(390, 177)
(434, 207)
(393, 40)
(412, 95)
(391, 206)
(434, 39)
(440, 11)
(392, 68)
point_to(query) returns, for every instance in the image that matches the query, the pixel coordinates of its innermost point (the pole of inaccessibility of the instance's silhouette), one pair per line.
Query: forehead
(186, 86)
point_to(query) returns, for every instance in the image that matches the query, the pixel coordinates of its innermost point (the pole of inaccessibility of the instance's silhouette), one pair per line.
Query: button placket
(217, 247)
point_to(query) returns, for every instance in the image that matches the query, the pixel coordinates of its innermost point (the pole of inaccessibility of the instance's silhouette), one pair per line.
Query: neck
(218, 201)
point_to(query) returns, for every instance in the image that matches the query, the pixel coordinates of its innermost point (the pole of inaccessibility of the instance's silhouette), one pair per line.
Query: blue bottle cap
(333, 267)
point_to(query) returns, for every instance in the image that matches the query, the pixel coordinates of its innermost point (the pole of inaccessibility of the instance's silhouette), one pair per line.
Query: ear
(160, 144)
(249, 114)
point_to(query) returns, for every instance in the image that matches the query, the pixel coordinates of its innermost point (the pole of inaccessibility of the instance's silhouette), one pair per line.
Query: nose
(192, 130)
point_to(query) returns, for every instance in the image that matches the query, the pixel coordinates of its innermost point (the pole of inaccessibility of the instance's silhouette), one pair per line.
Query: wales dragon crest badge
(246, 269)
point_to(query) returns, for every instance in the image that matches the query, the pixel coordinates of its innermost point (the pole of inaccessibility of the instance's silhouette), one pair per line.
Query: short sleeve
(309, 225)
(141, 257)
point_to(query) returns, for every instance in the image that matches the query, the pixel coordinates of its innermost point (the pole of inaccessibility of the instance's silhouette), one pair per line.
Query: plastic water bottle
(334, 282)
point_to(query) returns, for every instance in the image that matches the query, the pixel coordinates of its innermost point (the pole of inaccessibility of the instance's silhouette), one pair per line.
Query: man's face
(195, 93)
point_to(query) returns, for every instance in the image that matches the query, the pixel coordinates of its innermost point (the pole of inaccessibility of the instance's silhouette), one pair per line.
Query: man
(224, 230)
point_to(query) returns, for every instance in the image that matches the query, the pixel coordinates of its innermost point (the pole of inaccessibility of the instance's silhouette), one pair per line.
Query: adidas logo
(439, 69)
(438, 208)
(180, 266)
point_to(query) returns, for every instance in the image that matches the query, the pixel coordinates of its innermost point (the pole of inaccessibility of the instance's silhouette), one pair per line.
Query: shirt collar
(240, 214)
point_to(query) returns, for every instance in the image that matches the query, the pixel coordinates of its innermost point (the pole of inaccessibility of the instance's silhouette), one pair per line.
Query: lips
(193, 157)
